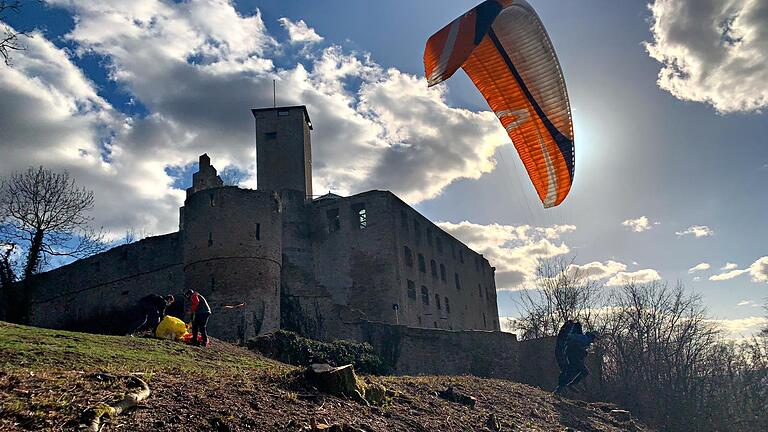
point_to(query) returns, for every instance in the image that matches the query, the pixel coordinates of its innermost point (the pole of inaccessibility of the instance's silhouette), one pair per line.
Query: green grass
(43, 349)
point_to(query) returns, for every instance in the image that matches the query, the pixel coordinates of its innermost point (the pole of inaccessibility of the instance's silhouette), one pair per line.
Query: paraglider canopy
(503, 47)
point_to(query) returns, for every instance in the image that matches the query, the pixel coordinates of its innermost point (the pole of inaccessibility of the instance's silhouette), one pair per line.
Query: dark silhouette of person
(560, 355)
(201, 311)
(148, 312)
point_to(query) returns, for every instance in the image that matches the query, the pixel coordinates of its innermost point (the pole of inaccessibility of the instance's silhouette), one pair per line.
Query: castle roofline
(290, 107)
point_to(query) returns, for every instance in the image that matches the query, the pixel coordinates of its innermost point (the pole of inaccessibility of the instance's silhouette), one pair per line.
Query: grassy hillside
(49, 377)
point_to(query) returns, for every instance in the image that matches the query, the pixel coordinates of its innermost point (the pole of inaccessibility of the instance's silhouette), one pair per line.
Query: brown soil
(51, 397)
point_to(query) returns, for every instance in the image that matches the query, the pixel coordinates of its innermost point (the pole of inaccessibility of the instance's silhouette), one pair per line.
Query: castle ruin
(366, 267)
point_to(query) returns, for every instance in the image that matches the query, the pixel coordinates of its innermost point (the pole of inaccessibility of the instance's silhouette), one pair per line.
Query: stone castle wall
(232, 249)
(96, 293)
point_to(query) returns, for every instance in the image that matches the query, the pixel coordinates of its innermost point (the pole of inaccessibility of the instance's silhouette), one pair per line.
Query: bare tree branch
(48, 213)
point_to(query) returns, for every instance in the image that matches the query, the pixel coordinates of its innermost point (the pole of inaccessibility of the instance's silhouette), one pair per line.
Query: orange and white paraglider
(503, 47)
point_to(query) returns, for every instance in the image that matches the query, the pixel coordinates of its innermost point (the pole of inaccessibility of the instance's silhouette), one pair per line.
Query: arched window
(433, 268)
(442, 273)
(422, 264)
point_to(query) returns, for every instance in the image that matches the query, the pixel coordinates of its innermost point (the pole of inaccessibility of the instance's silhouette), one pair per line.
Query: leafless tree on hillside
(47, 214)
(561, 291)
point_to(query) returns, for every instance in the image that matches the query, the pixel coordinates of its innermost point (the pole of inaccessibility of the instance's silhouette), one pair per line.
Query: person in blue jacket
(576, 346)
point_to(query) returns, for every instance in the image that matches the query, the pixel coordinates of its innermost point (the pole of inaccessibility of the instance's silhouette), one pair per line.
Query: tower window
(360, 215)
(210, 239)
(424, 295)
(334, 224)
(485, 322)
(433, 268)
(442, 272)
(258, 231)
(447, 306)
(457, 281)
(411, 290)
(437, 301)
(408, 255)
(213, 203)
(422, 264)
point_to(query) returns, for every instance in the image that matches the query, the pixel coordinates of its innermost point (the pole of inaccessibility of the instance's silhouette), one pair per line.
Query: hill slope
(49, 377)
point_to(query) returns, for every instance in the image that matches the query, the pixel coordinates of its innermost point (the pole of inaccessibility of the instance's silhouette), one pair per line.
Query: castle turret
(232, 247)
(283, 149)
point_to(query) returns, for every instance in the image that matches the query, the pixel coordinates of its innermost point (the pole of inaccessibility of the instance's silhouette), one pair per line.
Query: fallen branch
(93, 416)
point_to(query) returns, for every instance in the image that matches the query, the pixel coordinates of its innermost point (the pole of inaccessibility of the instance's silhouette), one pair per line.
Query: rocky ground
(49, 378)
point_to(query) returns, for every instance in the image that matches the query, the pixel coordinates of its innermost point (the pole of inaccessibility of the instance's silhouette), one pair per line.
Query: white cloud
(640, 224)
(699, 267)
(299, 32)
(197, 68)
(513, 250)
(741, 328)
(639, 276)
(696, 278)
(750, 303)
(697, 231)
(729, 266)
(597, 270)
(758, 271)
(712, 51)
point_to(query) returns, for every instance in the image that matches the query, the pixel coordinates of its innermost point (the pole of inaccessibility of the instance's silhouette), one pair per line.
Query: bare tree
(47, 214)
(561, 291)
(10, 38)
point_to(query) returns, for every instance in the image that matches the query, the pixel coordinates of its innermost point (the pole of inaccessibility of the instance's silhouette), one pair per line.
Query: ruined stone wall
(97, 293)
(232, 255)
(458, 282)
(355, 253)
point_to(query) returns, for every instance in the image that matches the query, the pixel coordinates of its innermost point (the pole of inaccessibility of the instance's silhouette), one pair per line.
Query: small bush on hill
(289, 347)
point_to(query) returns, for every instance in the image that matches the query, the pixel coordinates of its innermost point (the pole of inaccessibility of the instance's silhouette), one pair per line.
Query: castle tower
(283, 149)
(232, 252)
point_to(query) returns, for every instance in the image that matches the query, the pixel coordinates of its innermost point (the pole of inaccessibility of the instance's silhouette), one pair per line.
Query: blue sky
(141, 90)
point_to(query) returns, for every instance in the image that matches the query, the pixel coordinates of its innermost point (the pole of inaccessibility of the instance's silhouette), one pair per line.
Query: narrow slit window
(442, 273)
(437, 301)
(210, 239)
(457, 281)
(422, 264)
(258, 231)
(433, 268)
(447, 306)
(424, 295)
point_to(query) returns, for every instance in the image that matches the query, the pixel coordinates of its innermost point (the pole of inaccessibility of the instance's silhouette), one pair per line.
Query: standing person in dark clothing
(200, 314)
(576, 351)
(149, 311)
(560, 355)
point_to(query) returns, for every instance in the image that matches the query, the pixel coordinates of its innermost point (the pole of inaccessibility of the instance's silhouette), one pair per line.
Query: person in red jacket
(201, 311)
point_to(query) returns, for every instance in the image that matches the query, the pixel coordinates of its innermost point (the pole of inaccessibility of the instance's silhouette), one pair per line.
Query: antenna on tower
(274, 94)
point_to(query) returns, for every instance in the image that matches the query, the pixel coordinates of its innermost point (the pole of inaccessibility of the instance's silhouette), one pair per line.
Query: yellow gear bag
(171, 328)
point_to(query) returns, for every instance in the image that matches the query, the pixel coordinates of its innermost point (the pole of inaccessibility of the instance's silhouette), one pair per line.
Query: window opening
(411, 290)
(447, 306)
(424, 295)
(360, 215)
(210, 239)
(457, 281)
(433, 268)
(437, 301)
(270, 135)
(422, 264)
(258, 231)
(334, 224)
(442, 272)
(408, 255)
